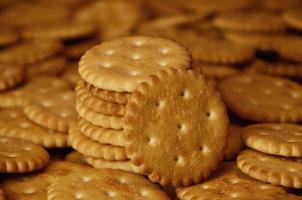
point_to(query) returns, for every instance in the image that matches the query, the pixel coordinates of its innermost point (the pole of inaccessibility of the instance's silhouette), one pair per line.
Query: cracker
(18, 156)
(11, 75)
(2, 195)
(99, 119)
(275, 139)
(8, 36)
(75, 157)
(99, 163)
(52, 66)
(254, 20)
(38, 85)
(102, 135)
(262, 98)
(96, 104)
(107, 95)
(104, 184)
(34, 186)
(90, 147)
(290, 70)
(71, 73)
(52, 110)
(111, 27)
(215, 71)
(30, 52)
(64, 30)
(229, 183)
(121, 64)
(14, 124)
(293, 18)
(281, 5)
(161, 127)
(271, 169)
(235, 143)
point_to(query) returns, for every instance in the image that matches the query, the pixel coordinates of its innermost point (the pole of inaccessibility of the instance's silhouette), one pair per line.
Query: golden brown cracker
(97, 104)
(121, 64)
(75, 157)
(90, 147)
(276, 139)
(55, 110)
(104, 184)
(2, 195)
(71, 73)
(34, 186)
(14, 124)
(229, 183)
(271, 169)
(262, 98)
(99, 119)
(18, 156)
(38, 85)
(293, 18)
(102, 135)
(107, 95)
(160, 125)
(8, 36)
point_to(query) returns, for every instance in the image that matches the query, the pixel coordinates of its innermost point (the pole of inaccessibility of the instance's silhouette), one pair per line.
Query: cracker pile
(150, 99)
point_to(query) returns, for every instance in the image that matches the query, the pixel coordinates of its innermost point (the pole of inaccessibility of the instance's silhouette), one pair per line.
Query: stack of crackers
(150, 99)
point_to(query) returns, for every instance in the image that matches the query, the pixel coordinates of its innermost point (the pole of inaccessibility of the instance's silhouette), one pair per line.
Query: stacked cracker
(126, 114)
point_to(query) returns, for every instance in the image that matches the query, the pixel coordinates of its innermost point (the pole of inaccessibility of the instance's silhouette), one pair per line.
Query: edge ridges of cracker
(131, 108)
(90, 101)
(264, 175)
(15, 79)
(285, 148)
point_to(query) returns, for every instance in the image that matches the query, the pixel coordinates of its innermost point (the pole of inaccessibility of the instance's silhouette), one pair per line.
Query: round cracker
(99, 163)
(235, 143)
(8, 36)
(2, 195)
(271, 169)
(107, 95)
(293, 18)
(161, 127)
(10, 76)
(104, 184)
(121, 64)
(254, 20)
(99, 119)
(14, 124)
(102, 135)
(262, 98)
(275, 139)
(64, 30)
(96, 104)
(52, 66)
(18, 156)
(34, 186)
(38, 85)
(30, 52)
(229, 183)
(52, 110)
(90, 147)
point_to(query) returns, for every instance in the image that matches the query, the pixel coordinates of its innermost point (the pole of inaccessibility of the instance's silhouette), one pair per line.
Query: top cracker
(121, 64)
